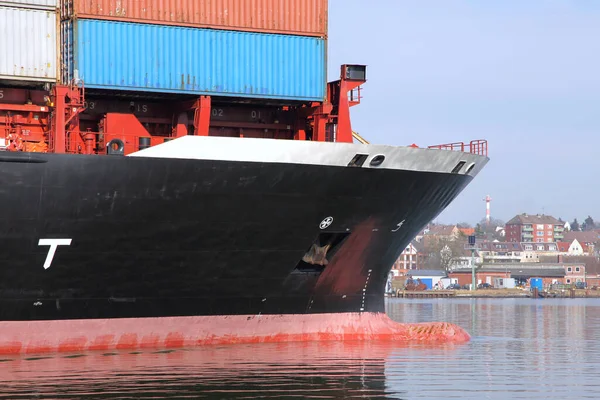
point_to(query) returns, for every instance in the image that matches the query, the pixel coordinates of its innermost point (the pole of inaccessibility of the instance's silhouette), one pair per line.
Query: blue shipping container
(156, 58)
(537, 283)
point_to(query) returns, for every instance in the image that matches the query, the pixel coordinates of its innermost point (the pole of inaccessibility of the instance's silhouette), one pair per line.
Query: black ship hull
(103, 237)
(152, 237)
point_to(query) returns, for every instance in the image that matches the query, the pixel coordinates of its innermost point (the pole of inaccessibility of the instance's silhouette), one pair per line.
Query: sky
(525, 75)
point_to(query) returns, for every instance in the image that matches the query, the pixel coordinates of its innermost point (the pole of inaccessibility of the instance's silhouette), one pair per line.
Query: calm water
(521, 349)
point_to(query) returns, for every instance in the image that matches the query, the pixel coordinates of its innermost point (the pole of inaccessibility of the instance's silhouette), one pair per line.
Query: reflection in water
(319, 370)
(521, 349)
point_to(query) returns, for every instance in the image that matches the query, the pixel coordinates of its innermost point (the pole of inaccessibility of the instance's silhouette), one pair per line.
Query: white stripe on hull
(313, 153)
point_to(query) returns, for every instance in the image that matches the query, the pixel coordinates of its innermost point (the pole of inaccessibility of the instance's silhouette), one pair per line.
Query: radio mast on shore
(487, 200)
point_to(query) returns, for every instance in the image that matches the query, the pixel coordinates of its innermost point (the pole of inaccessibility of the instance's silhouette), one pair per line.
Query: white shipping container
(45, 4)
(504, 283)
(29, 44)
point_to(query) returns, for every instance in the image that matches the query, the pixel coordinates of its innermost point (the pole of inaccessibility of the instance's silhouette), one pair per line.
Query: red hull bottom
(27, 337)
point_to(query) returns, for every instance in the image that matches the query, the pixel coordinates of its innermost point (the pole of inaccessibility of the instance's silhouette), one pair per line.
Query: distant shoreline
(495, 293)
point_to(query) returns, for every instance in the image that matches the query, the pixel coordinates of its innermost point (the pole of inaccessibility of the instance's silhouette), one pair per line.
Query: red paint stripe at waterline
(31, 337)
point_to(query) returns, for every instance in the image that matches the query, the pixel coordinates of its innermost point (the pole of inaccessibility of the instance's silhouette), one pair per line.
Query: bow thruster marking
(399, 226)
(326, 222)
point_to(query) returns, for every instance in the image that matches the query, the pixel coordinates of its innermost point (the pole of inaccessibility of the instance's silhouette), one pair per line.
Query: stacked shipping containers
(244, 48)
(29, 41)
(261, 48)
(128, 51)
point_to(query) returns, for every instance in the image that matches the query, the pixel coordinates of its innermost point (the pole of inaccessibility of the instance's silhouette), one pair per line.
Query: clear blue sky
(525, 75)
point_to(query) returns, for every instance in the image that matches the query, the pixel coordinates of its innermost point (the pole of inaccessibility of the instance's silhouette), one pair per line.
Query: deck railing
(479, 147)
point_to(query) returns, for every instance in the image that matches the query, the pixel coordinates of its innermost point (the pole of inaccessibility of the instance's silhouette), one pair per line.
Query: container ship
(182, 173)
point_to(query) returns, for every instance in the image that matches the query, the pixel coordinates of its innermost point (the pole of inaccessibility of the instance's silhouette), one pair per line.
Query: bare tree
(494, 222)
(489, 231)
(443, 252)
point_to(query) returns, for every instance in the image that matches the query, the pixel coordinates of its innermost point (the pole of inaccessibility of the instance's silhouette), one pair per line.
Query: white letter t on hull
(53, 243)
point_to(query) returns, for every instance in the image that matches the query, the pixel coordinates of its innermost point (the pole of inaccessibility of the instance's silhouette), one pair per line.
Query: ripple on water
(520, 349)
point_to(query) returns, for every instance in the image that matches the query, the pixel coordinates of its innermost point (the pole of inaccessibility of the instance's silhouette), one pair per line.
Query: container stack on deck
(82, 76)
(263, 49)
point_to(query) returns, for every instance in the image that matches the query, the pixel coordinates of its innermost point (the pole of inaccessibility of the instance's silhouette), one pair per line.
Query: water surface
(521, 349)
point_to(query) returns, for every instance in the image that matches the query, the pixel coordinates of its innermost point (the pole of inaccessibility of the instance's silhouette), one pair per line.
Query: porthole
(377, 160)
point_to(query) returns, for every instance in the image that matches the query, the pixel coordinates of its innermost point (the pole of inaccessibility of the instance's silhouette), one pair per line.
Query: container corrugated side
(28, 50)
(298, 17)
(158, 58)
(43, 4)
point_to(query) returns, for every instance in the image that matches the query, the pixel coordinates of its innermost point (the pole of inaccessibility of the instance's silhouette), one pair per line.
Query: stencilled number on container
(1, 94)
(138, 107)
(53, 243)
(89, 105)
(255, 114)
(217, 112)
